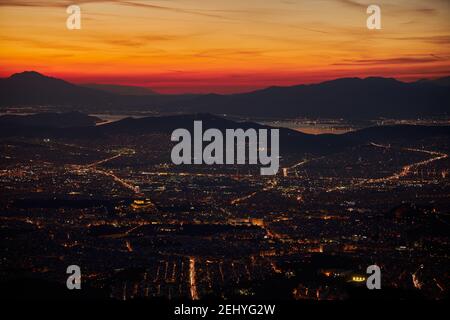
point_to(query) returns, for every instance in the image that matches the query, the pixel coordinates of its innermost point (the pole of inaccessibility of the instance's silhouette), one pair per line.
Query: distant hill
(291, 141)
(55, 120)
(342, 98)
(445, 81)
(350, 98)
(121, 90)
(31, 88)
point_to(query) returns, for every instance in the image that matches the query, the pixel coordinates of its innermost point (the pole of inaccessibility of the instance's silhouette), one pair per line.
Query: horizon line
(257, 88)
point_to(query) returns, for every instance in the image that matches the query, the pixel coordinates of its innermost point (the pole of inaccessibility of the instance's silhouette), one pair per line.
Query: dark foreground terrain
(108, 198)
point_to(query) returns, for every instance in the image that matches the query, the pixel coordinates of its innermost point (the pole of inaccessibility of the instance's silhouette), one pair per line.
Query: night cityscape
(142, 227)
(233, 159)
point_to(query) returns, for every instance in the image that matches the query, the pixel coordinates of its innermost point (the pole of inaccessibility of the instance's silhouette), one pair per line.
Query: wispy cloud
(352, 3)
(428, 11)
(389, 61)
(64, 3)
(42, 44)
(438, 39)
(138, 41)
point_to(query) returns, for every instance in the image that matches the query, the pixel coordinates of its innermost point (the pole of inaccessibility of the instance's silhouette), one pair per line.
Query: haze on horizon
(180, 46)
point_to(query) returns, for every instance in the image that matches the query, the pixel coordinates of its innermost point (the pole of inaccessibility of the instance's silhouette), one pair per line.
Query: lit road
(407, 169)
(93, 168)
(271, 185)
(193, 279)
(117, 179)
(404, 171)
(94, 164)
(303, 162)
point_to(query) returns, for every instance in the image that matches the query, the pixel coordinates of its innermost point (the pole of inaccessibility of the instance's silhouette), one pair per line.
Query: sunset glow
(228, 46)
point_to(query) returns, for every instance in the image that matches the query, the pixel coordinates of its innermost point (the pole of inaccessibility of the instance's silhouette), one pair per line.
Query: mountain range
(121, 89)
(31, 88)
(291, 141)
(342, 98)
(351, 98)
(50, 119)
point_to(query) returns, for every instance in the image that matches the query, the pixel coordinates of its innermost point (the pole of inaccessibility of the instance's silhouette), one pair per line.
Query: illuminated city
(193, 157)
(142, 227)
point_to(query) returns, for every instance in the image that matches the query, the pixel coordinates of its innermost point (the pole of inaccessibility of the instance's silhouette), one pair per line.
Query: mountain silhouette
(31, 88)
(121, 90)
(350, 98)
(291, 141)
(50, 119)
(445, 81)
(342, 98)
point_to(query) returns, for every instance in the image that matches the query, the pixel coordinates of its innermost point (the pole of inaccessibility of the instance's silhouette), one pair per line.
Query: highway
(404, 171)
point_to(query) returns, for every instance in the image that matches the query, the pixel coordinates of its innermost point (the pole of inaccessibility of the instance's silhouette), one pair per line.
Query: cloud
(42, 44)
(352, 3)
(439, 39)
(400, 60)
(427, 11)
(227, 53)
(65, 3)
(139, 41)
(31, 3)
(173, 9)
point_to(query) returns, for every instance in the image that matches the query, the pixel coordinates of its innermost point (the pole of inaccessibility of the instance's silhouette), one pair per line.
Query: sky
(227, 46)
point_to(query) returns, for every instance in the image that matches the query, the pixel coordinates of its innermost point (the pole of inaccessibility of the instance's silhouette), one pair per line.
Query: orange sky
(223, 46)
